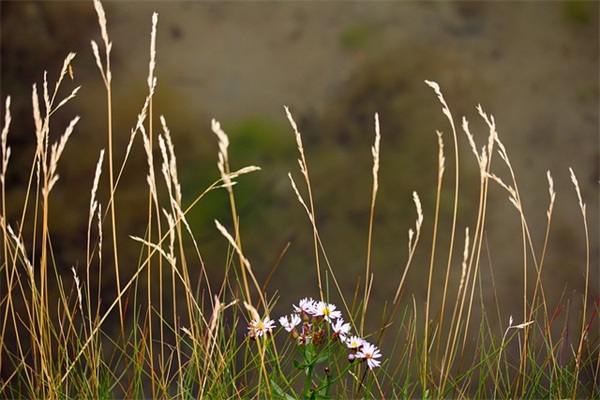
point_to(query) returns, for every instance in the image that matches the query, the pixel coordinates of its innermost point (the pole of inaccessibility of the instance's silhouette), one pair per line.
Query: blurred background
(533, 65)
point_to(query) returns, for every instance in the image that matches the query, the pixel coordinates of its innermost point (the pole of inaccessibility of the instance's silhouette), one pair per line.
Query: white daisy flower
(369, 352)
(289, 323)
(327, 311)
(259, 328)
(340, 329)
(354, 342)
(306, 306)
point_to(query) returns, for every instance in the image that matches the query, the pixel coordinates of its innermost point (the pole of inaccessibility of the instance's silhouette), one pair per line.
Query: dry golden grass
(174, 340)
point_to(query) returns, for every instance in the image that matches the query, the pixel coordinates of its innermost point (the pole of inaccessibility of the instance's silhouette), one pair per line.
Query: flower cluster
(307, 327)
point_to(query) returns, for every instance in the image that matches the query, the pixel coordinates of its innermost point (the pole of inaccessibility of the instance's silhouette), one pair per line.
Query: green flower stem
(329, 381)
(306, 390)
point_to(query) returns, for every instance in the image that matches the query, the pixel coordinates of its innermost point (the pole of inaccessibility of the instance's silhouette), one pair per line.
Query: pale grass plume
(304, 170)
(93, 202)
(97, 174)
(37, 119)
(465, 126)
(55, 153)
(552, 195)
(419, 209)
(4, 138)
(368, 275)
(252, 311)
(223, 158)
(99, 252)
(46, 94)
(152, 64)
(512, 190)
(213, 323)
(502, 152)
(223, 162)
(489, 120)
(98, 60)
(144, 112)
(244, 170)
(318, 245)
(224, 169)
(413, 235)
(300, 199)
(441, 157)
(519, 326)
(169, 169)
(246, 263)
(139, 126)
(141, 118)
(375, 153)
(502, 346)
(169, 160)
(150, 177)
(465, 261)
(491, 123)
(106, 76)
(577, 190)
(582, 207)
(101, 19)
(167, 256)
(440, 96)
(482, 158)
(78, 287)
(49, 101)
(100, 230)
(317, 240)
(299, 145)
(20, 245)
(233, 243)
(181, 218)
(46, 166)
(513, 196)
(413, 240)
(235, 174)
(63, 72)
(172, 231)
(441, 167)
(214, 319)
(189, 334)
(41, 124)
